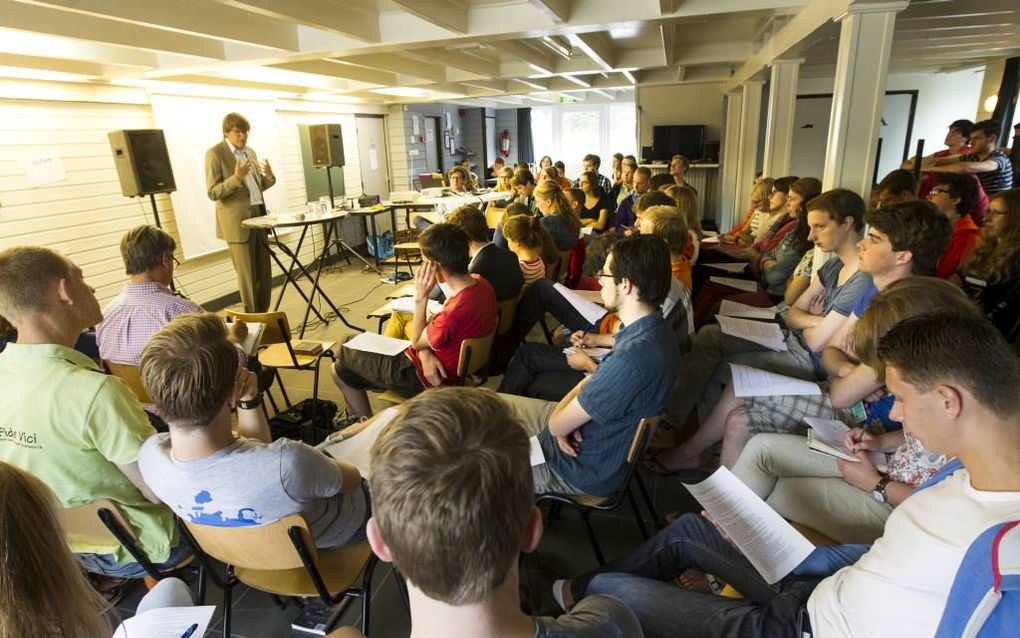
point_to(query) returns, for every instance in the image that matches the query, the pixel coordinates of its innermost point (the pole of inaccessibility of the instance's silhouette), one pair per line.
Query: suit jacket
(233, 201)
(500, 268)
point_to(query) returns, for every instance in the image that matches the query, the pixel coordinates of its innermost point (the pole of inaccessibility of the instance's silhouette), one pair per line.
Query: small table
(268, 224)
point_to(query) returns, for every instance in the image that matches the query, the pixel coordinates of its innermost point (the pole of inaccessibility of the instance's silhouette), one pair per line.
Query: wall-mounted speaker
(327, 144)
(142, 161)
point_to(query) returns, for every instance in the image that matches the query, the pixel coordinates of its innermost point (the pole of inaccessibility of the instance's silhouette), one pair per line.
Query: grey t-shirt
(593, 617)
(251, 482)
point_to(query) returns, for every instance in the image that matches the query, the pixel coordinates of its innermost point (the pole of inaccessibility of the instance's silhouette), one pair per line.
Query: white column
(865, 40)
(779, 125)
(750, 128)
(728, 170)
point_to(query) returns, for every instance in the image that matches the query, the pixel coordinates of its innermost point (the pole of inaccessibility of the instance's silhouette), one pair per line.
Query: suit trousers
(254, 274)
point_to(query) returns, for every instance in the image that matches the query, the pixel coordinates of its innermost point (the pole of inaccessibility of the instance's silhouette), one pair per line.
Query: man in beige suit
(235, 181)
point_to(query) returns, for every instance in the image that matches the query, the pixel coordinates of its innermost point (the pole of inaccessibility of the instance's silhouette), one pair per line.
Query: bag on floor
(310, 421)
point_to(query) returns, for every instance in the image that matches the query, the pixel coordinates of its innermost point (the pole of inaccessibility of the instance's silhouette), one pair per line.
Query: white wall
(679, 104)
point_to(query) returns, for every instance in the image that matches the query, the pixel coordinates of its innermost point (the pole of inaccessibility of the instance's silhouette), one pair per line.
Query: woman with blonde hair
(557, 216)
(550, 173)
(687, 204)
(504, 180)
(743, 234)
(991, 274)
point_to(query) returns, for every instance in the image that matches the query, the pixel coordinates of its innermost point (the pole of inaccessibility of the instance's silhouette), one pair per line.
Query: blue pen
(191, 630)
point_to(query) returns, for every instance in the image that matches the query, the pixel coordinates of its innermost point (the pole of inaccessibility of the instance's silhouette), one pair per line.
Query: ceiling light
(629, 76)
(556, 46)
(990, 102)
(576, 80)
(403, 91)
(533, 85)
(539, 69)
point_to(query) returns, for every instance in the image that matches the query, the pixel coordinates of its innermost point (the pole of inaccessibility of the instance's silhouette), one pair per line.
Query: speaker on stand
(327, 146)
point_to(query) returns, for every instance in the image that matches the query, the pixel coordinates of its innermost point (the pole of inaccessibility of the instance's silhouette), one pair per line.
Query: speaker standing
(235, 181)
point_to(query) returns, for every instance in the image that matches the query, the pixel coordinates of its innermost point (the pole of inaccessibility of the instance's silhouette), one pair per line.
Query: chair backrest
(507, 310)
(277, 328)
(564, 263)
(642, 435)
(345, 632)
(265, 546)
(493, 214)
(131, 376)
(474, 354)
(83, 526)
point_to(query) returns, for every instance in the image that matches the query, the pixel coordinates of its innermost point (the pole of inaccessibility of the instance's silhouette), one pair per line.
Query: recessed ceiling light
(403, 91)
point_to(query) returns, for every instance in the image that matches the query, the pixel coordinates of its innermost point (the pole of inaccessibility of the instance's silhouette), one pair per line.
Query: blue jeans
(106, 565)
(641, 578)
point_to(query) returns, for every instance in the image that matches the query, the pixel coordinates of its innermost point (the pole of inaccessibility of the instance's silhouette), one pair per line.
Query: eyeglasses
(601, 274)
(936, 191)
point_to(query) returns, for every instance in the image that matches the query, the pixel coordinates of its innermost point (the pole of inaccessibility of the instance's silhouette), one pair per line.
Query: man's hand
(581, 339)
(724, 535)
(432, 367)
(864, 476)
(425, 281)
(817, 304)
(267, 170)
(237, 331)
(857, 439)
(246, 386)
(241, 169)
(579, 360)
(570, 444)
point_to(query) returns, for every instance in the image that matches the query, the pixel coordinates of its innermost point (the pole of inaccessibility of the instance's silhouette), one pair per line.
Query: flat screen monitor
(678, 139)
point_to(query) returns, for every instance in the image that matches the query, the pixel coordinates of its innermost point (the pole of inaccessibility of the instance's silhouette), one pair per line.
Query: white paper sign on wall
(43, 168)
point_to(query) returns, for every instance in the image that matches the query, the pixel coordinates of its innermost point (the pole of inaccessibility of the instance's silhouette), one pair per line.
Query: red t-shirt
(469, 314)
(964, 238)
(928, 181)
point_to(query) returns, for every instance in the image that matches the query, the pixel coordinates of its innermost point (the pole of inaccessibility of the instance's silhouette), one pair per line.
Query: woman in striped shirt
(524, 237)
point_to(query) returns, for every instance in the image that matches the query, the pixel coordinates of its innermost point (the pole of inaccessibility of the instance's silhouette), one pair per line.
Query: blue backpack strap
(985, 599)
(944, 472)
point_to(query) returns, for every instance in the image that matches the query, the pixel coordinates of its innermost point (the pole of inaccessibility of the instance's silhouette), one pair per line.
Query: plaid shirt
(133, 316)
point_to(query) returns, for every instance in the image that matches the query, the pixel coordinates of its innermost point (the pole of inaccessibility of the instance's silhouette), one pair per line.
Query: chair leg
(649, 503)
(586, 517)
(228, 602)
(366, 596)
(637, 513)
(283, 390)
(201, 584)
(279, 602)
(272, 401)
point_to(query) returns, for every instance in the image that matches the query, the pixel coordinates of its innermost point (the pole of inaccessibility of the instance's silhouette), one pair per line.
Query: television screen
(685, 140)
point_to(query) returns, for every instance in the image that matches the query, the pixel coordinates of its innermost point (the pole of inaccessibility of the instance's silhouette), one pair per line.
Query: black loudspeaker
(327, 145)
(143, 164)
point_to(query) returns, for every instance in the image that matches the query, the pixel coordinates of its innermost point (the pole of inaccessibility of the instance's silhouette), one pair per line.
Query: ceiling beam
(219, 80)
(16, 15)
(597, 46)
(333, 69)
(667, 7)
(960, 8)
(398, 64)
(51, 64)
(357, 19)
(18, 42)
(194, 17)
(442, 13)
(458, 60)
(528, 55)
(557, 11)
(955, 22)
(667, 39)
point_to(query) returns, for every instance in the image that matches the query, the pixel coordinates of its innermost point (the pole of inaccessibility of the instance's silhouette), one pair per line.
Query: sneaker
(344, 420)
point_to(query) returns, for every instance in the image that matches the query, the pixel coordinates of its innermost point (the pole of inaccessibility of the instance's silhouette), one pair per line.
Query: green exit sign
(568, 99)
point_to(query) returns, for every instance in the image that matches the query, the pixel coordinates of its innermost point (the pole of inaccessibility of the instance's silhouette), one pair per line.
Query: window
(568, 132)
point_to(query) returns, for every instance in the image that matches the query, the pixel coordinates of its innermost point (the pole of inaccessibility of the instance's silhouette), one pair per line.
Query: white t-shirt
(900, 587)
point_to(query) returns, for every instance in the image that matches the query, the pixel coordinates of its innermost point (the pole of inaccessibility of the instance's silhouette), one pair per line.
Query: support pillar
(781, 110)
(747, 156)
(728, 168)
(865, 41)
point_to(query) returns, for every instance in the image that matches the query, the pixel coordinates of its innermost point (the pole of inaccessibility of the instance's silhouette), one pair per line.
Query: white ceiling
(467, 50)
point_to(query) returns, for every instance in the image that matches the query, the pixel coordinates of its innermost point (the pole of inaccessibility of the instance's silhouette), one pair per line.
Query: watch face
(878, 496)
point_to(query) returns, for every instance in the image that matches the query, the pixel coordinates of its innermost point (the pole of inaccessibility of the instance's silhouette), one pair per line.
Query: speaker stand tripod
(339, 237)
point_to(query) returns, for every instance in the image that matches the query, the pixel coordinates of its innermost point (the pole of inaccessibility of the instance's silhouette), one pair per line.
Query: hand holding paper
(752, 382)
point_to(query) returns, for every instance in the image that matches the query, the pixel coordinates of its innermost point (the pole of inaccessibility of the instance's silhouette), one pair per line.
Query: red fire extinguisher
(504, 143)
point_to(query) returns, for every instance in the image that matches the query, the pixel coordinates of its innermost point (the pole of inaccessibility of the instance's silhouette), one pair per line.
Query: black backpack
(310, 421)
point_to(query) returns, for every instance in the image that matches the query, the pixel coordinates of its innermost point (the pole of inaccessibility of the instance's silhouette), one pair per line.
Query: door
(432, 145)
(374, 160)
(810, 136)
(897, 121)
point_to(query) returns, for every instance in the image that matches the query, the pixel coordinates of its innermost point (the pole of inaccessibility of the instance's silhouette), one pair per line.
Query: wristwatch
(879, 492)
(250, 405)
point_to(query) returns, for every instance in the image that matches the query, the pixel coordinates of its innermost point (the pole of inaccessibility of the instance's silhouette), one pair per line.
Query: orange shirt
(681, 270)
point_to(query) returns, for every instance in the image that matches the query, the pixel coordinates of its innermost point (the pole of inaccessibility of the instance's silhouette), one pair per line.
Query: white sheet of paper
(415, 128)
(764, 334)
(595, 353)
(43, 168)
(710, 240)
(593, 296)
(406, 304)
(830, 433)
(730, 308)
(710, 233)
(251, 342)
(746, 285)
(590, 311)
(371, 342)
(373, 158)
(771, 544)
(355, 450)
(752, 382)
(735, 267)
(166, 622)
(537, 455)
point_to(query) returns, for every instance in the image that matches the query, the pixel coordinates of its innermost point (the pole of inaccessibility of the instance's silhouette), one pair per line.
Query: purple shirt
(137, 313)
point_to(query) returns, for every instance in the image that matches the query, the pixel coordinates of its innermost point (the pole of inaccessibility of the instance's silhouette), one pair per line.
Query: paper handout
(371, 342)
(752, 382)
(738, 267)
(746, 285)
(732, 308)
(537, 455)
(167, 622)
(764, 334)
(591, 312)
(406, 304)
(826, 437)
(711, 240)
(355, 450)
(771, 544)
(597, 354)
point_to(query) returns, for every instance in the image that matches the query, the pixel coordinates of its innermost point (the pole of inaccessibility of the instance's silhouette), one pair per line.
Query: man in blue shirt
(585, 437)
(625, 216)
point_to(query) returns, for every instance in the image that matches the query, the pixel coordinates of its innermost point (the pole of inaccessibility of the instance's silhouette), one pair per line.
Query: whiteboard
(191, 125)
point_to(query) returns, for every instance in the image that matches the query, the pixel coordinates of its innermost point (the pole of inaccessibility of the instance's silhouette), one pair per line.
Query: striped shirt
(137, 313)
(997, 180)
(533, 270)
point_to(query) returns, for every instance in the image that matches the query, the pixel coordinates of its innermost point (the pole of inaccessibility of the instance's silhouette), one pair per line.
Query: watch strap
(250, 405)
(882, 482)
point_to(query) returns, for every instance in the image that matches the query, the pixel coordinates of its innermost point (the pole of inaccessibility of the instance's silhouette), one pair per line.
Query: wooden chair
(131, 376)
(586, 504)
(507, 312)
(280, 558)
(277, 351)
(565, 255)
(474, 357)
(493, 214)
(345, 632)
(101, 523)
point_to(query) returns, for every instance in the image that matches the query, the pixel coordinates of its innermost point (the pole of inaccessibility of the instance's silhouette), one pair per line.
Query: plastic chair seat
(340, 569)
(278, 356)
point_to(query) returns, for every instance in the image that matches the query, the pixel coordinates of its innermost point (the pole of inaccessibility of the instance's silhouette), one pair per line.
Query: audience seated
(494, 264)
(524, 235)
(504, 180)
(687, 205)
(585, 436)
(497, 167)
(561, 168)
(75, 428)
(953, 195)
(453, 509)
(777, 265)
(625, 216)
(626, 186)
(591, 164)
(957, 143)
(777, 225)
(749, 230)
(524, 185)
(557, 215)
(210, 476)
(431, 359)
(678, 166)
(846, 501)
(596, 207)
(897, 187)
(661, 181)
(667, 223)
(991, 275)
(985, 160)
(954, 381)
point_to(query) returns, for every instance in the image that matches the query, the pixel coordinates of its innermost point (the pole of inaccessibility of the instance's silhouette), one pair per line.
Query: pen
(190, 630)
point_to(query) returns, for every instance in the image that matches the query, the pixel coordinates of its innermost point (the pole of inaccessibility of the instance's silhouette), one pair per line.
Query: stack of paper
(826, 437)
(710, 240)
(371, 342)
(732, 308)
(746, 285)
(764, 334)
(355, 450)
(167, 622)
(591, 312)
(595, 353)
(733, 267)
(752, 382)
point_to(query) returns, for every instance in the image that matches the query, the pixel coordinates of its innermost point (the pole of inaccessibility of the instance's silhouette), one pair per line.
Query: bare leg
(687, 455)
(735, 437)
(356, 398)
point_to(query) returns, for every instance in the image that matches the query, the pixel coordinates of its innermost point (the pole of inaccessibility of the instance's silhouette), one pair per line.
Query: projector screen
(192, 125)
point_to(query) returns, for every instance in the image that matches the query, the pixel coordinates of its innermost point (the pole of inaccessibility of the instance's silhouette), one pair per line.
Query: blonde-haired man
(210, 476)
(453, 509)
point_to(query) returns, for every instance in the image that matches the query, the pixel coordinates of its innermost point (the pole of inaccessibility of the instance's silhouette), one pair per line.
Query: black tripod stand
(345, 250)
